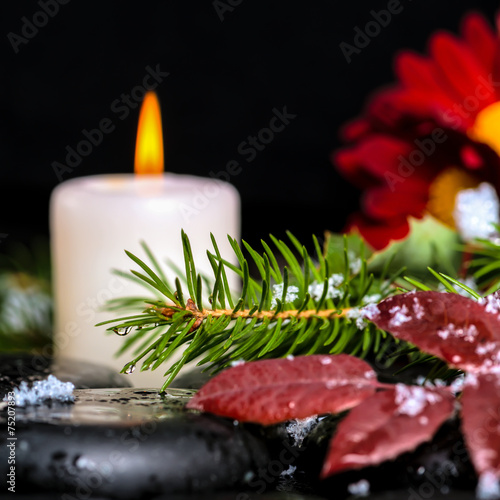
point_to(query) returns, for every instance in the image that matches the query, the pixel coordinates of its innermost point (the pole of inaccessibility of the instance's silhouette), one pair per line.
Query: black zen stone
(129, 443)
(84, 375)
(437, 469)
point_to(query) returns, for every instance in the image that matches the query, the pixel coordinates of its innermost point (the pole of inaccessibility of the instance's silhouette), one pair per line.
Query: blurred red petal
(481, 39)
(374, 156)
(419, 73)
(384, 203)
(355, 129)
(466, 78)
(401, 110)
(442, 92)
(379, 234)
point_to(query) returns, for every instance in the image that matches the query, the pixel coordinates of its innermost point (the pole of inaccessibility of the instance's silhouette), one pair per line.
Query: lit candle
(94, 219)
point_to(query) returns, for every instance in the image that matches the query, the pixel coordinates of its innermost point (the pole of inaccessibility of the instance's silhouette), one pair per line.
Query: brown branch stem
(201, 315)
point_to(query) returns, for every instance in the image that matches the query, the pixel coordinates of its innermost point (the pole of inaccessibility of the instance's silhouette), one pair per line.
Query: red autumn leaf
(481, 421)
(385, 425)
(463, 332)
(275, 390)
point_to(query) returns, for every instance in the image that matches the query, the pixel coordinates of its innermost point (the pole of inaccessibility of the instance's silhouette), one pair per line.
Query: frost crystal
(298, 429)
(475, 211)
(316, 289)
(354, 263)
(292, 293)
(468, 333)
(238, 362)
(359, 315)
(469, 282)
(421, 380)
(488, 486)
(418, 308)
(458, 384)
(359, 489)
(371, 311)
(372, 299)
(289, 472)
(43, 390)
(486, 348)
(471, 379)
(411, 400)
(491, 303)
(400, 316)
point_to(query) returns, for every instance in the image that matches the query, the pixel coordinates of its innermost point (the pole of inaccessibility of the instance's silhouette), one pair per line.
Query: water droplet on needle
(123, 330)
(130, 369)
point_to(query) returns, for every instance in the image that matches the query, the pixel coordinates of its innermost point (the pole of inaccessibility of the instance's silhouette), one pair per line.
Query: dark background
(225, 79)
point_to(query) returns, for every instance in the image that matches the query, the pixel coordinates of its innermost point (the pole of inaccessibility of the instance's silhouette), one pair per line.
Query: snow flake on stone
(400, 316)
(292, 293)
(289, 472)
(411, 400)
(476, 210)
(44, 390)
(298, 429)
(359, 489)
(488, 486)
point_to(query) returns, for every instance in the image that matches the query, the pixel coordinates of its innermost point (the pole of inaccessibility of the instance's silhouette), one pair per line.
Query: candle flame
(149, 145)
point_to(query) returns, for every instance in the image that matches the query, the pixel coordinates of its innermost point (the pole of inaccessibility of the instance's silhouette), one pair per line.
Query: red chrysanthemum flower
(432, 134)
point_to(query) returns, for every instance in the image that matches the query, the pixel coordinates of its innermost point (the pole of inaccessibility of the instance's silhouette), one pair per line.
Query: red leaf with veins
(274, 390)
(481, 421)
(463, 332)
(385, 425)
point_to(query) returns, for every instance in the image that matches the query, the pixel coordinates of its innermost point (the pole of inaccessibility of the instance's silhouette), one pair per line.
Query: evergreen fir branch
(301, 308)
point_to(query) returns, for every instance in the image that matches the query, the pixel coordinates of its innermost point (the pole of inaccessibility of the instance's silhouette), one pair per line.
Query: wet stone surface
(129, 443)
(84, 375)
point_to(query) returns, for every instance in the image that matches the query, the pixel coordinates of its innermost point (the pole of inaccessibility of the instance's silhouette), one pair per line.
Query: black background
(225, 79)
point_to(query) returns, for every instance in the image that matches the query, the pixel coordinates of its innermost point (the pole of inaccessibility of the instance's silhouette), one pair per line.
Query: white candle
(94, 219)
